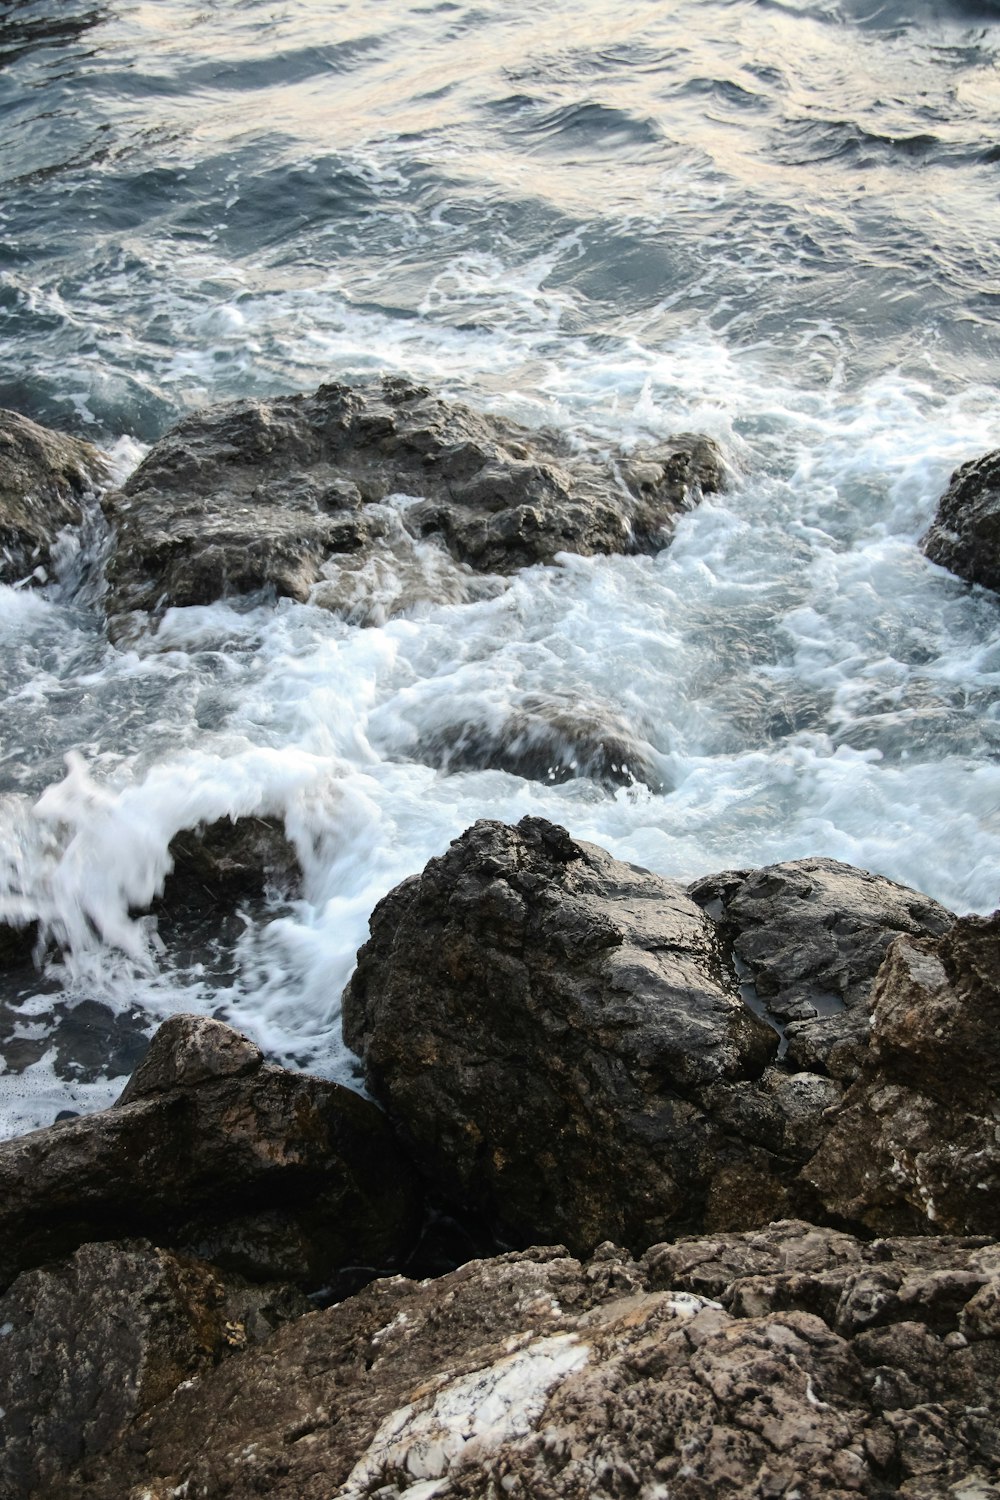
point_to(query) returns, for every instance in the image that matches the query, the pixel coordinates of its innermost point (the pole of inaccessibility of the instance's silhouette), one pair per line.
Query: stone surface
(229, 860)
(810, 935)
(549, 738)
(273, 1174)
(43, 479)
(259, 494)
(794, 1361)
(91, 1343)
(565, 1050)
(965, 534)
(914, 1147)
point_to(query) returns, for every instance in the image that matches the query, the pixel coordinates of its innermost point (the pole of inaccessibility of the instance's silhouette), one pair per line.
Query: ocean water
(774, 221)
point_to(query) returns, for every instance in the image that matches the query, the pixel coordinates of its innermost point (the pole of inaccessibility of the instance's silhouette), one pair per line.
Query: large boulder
(89, 1344)
(259, 494)
(914, 1145)
(44, 479)
(965, 534)
(270, 1173)
(795, 1361)
(563, 1045)
(810, 935)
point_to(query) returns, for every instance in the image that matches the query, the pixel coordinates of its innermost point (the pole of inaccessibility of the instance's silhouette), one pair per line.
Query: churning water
(774, 221)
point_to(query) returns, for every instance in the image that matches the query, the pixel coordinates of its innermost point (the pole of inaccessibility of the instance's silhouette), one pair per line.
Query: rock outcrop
(209, 1150)
(258, 494)
(44, 477)
(914, 1146)
(965, 534)
(795, 1360)
(810, 934)
(229, 860)
(90, 1344)
(563, 1045)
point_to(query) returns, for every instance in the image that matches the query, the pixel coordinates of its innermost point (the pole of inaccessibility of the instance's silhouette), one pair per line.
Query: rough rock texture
(91, 1343)
(43, 478)
(790, 1362)
(965, 534)
(273, 1174)
(228, 860)
(258, 494)
(563, 1045)
(811, 934)
(914, 1147)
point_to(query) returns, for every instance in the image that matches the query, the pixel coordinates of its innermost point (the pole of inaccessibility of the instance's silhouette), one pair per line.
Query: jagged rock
(913, 1148)
(270, 1173)
(259, 494)
(43, 479)
(229, 860)
(965, 534)
(819, 1366)
(560, 1039)
(91, 1343)
(811, 934)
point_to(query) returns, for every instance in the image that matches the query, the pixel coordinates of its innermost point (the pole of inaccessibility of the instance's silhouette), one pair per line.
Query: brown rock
(44, 477)
(89, 1344)
(562, 1043)
(913, 1148)
(534, 1375)
(270, 1173)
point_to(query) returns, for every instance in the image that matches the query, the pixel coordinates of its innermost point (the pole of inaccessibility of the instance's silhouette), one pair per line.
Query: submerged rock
(93, 1342)
(965, 534)
(548, 738)
(795, 1360)
(811, 935)
(44, 477)
(270, 1173)
(563, 1045)
(258, 494)
(914, 1147)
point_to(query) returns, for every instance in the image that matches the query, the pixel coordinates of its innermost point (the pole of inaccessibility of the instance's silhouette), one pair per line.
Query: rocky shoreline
(757, 1273)
(664, 1192)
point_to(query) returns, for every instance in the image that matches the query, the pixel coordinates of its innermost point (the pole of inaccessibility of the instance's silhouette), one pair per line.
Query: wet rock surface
(811, 935)
(790, 1360)
(549, 739)
(965, 534)
(913, 1148)
(563, 1045)
(272, 1174)
(228, 860)
(259, 494)
(44, 478)
(95, 1341)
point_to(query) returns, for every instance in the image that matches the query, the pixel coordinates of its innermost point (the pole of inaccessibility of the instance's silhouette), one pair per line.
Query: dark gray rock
(44, 478)
(810, 935)
(272, 1174)
(965, 534)
(792, 1361)
(563, 1045)
(258, 494)
(227, 861)
(552, 739)
(92, 1343)
(913, 1147)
